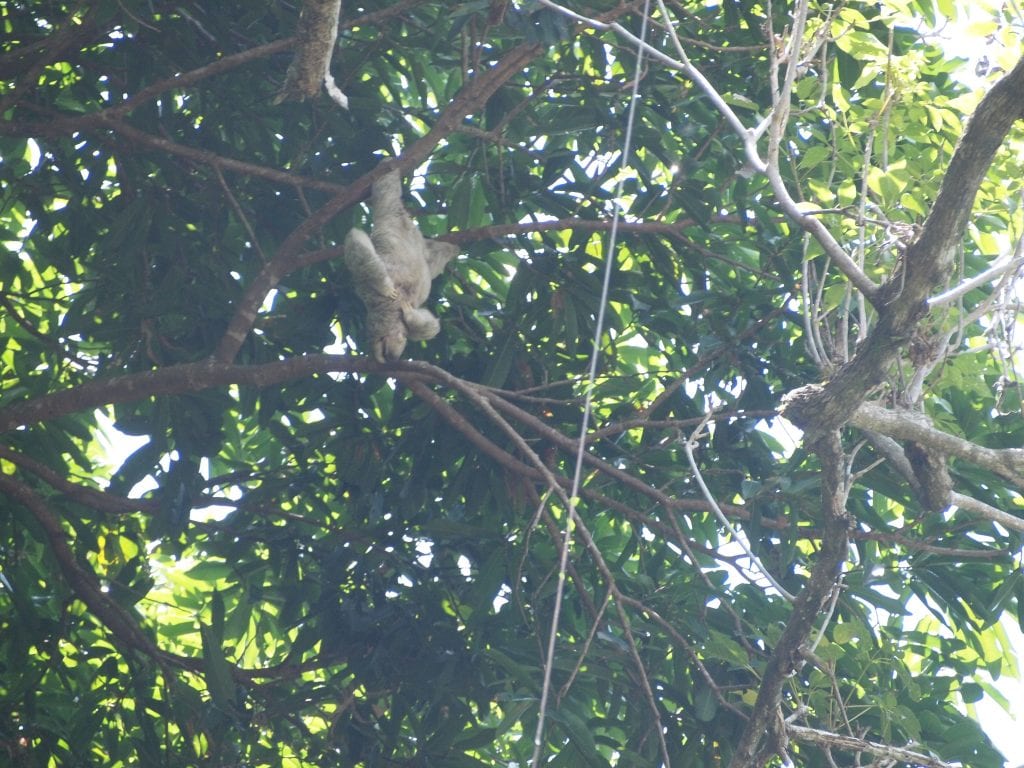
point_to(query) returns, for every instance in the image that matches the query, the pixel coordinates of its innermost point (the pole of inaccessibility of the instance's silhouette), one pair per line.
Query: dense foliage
(308, 558)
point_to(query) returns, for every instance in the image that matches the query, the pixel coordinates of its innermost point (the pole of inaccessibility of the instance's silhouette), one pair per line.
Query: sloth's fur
(392, 269)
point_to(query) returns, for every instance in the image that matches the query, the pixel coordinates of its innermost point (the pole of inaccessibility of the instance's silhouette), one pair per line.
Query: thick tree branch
(178, 379)
(315, 34)
(927, 262)
(764, 734)
(988, 512)
(908, 425)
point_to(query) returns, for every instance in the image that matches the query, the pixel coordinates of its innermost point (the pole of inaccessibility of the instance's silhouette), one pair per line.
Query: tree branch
(748, 136)
(828, 740)
(907, 425)
(90, 497)
(82, 581)
(927, 262)
(764, 734)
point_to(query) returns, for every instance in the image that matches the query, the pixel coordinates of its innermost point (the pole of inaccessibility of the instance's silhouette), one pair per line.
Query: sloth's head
(389, 347)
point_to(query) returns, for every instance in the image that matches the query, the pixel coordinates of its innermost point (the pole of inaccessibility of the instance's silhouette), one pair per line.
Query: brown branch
(90, 497)
(83, 582)
(185, 79)
(197, 377)
(471, 433)
(248, 306)
(176, 380)
(764, 735)
(58, 124)
(568, 444)
(205, 157)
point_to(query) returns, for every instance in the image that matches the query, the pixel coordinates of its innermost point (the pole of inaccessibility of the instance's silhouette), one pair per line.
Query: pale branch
(682, 64)
(1001, 269)
(688, 447)
(927, 262)
(998, 269)
(777, 124)
(988, 512)
(1008, 463)
(811, 224)
(748, 136)
(828, 740)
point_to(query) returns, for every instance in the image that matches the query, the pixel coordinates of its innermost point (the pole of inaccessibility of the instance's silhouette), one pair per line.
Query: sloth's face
(389, 348)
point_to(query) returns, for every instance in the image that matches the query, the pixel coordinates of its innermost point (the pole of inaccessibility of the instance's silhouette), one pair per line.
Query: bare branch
(828, 740)
(1001, 267)
(909, 425)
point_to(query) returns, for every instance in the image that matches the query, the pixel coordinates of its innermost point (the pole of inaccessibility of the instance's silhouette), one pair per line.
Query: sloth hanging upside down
(392, 269)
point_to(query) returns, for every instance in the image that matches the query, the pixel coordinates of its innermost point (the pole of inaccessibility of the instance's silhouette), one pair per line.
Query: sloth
(392, 269)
